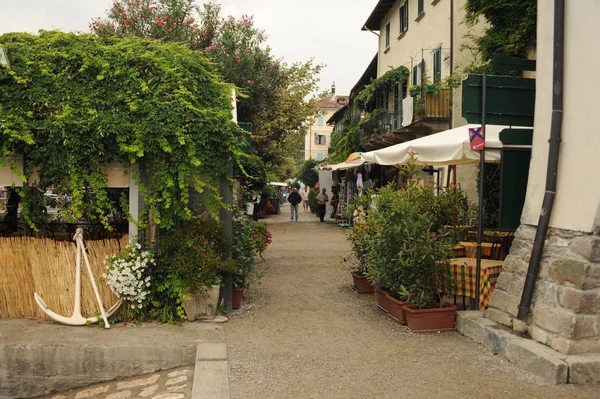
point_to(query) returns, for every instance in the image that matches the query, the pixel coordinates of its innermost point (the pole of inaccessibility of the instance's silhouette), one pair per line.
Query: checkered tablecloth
(463, 272)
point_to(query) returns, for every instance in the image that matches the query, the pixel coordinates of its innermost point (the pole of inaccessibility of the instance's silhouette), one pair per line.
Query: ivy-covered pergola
(72, 104)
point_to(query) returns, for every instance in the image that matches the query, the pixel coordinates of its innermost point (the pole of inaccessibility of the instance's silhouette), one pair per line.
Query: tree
(73, 103)
(308, 174)
(512, 26)
(235, 45)
(280, 130)
(272, 94)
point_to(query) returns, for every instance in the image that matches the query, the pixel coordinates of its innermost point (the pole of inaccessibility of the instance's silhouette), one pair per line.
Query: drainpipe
(552, 170)
(450, 122)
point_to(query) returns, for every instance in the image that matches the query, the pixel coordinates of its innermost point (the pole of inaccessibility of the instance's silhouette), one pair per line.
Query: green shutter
(437, 65)
(421, 6)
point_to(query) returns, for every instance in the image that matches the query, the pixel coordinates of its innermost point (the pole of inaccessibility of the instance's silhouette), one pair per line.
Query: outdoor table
(459, 251)
(463, 272)
(471, 248)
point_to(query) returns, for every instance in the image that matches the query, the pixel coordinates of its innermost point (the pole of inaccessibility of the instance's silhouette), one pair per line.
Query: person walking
(294, 199)
(304, 195)
(322, 199)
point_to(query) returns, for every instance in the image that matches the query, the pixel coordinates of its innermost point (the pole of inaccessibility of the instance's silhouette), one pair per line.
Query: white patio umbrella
(450, 147)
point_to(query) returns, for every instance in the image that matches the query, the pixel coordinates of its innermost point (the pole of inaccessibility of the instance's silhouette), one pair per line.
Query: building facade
(318, 137)
(565, 310)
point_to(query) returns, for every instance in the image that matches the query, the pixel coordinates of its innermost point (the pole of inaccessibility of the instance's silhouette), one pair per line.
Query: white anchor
(77, 319)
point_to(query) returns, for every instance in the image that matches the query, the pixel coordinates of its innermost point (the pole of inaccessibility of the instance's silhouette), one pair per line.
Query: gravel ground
(304, 333)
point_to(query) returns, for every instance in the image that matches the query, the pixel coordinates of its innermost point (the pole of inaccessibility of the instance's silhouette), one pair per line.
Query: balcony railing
(436, 105)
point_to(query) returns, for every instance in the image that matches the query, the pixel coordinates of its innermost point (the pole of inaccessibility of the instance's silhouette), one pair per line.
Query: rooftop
(377, 15)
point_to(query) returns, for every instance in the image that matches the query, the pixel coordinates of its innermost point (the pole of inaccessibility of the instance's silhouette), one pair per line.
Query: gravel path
(304, 333)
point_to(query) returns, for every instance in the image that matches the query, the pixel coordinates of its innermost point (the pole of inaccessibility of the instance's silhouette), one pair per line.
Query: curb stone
(211, 378)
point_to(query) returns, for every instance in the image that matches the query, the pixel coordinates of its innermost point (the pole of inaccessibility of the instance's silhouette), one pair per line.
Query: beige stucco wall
(430, 32)
(578, 192)
(7, 177)
(310, 148)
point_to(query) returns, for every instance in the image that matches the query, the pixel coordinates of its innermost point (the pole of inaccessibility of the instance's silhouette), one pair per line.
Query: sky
(327, 30)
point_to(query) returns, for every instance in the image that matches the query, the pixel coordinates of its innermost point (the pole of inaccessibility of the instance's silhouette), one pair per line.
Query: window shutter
(324, 140)
(406, 16)
(414, 77)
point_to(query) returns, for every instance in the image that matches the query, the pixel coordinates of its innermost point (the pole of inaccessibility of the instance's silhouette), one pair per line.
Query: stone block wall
(565, 311)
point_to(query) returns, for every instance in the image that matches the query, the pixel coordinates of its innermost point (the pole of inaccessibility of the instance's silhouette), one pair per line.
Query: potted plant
(360, 236)
(250, 238)
(422, 263)
(195, 257)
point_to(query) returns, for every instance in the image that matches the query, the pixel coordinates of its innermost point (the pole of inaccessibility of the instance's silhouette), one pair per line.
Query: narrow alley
(304, 333)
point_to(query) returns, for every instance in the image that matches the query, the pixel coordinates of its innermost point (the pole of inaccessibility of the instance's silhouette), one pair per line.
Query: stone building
(565, 309)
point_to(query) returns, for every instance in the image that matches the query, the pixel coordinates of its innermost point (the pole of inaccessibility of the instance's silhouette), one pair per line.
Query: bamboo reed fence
(45, 266)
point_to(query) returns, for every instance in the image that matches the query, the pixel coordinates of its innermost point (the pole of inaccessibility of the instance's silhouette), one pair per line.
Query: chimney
(333, 92)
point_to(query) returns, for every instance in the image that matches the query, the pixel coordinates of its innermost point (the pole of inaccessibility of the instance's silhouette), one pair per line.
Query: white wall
(578, 192)
(431, 31)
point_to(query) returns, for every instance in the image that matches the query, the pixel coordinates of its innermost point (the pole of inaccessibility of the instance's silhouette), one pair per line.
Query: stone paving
(167, 384)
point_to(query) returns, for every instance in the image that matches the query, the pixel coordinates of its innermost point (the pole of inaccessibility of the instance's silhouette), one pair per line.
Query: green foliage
(243, 248)
(279, 130)
(251, 171)
(312, 199)
(345, 142)
(261, 237)
(512, 26)
(406, 237)
(272, 94)
(71, 103)
(197, 253)
(308, 174)
(386, 82)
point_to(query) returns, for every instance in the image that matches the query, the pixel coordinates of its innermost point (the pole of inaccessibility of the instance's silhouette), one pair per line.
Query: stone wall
(565, 311)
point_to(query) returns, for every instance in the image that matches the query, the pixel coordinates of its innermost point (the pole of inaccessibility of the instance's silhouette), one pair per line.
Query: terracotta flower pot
(383, 302)
(396, 307)
(236, 302)
(427, 320)
(361, 284)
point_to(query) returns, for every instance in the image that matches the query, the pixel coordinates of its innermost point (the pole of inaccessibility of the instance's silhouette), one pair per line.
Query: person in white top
(304, 195)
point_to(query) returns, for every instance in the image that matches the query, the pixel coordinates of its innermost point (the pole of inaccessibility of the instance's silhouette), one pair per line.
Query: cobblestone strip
(168, 384)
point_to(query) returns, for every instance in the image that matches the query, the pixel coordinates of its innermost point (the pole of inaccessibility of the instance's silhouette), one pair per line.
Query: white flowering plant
(128, 275)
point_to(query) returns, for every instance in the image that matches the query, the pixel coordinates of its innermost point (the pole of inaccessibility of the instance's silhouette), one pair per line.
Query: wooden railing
(435, 106)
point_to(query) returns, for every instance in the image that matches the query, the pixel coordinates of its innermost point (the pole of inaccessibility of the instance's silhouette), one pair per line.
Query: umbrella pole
(480, 211)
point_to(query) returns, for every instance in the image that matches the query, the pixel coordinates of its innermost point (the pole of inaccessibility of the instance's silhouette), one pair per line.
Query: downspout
(451, 115)
(552, 171)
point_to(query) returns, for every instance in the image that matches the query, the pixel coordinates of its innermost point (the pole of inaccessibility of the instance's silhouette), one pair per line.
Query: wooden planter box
(396, 307)
(430, 320)
(361, 284)
(383, 302)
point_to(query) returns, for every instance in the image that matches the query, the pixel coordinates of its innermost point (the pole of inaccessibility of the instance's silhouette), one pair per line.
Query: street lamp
(3, 57)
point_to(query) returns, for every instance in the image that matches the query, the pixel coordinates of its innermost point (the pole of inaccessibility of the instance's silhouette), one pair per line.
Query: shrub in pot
(422, 264)
(360, 237)
(193, 260)
(250, 238)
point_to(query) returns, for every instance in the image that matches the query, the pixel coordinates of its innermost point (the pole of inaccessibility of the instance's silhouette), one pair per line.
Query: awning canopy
(450, 147)
(278, 184)
(343, 165)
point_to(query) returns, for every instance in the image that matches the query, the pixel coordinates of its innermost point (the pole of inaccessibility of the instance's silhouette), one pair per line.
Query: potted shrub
(250, 238)
(384, 241)
(422, 264)
(360, 237)
(194, 259)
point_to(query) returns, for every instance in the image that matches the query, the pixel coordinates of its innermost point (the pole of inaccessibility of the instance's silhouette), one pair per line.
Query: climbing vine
(386, 82)
(512, 26)
(70, 104)
(344, 142)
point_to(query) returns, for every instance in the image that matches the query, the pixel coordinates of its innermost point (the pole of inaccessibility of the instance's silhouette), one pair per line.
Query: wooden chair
(496, 251)
(506, 243)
